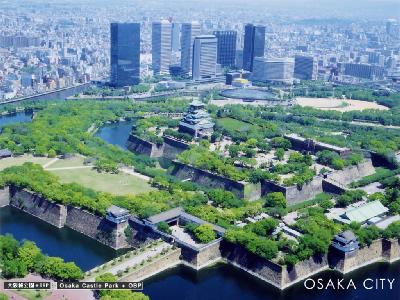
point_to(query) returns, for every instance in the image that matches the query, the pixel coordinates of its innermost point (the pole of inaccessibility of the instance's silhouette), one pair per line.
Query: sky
(374, 9)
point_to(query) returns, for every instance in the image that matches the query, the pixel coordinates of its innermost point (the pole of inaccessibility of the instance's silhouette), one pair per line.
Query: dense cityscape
(199, 150)
(59, 46)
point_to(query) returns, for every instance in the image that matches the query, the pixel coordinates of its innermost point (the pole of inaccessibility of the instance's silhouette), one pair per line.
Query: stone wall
(379, 250)
(240, 189)
(391, 249)
(141, 234)
(4, 196)
(293, 193)
(173, 147)
(96, 227)
(37, 206)
(93, 226)
(352, 173)
(303, 270)
(265, 270)
(144, 147)
(198, 259)
(268, 271)
(167, 261)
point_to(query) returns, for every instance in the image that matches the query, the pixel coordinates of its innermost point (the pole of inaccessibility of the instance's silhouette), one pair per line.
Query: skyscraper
(176, 34)
(254, 45)
(204, 57)
(125, 54)
(161, 46)
(226, 47)
(278, 70)
(305, 67)
(188, 32)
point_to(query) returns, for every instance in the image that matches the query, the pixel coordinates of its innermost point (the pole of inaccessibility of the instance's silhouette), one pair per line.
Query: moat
(66, 243)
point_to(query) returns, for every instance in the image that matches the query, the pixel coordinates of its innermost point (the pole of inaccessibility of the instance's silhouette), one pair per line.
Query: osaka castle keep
(197, 121)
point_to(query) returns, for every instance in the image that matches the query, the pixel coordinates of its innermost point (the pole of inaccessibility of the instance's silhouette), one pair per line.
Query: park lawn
(74, 161)
(235, 125)
(20, 160)
(117, 184)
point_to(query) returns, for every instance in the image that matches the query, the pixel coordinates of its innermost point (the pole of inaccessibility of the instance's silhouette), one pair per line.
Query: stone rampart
(303, 270)
(96, 227)
(391, 249)
(141, 146)
(294, 194)
(242, 190)
(35, 205)
(4, 196)
(352, 173)
(202, 257)
(59, 215)
(173, 147)
(379, 250)
(285, 276)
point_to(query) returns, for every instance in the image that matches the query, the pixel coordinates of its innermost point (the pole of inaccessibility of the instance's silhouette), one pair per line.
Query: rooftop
(367, 211)
(117, 211)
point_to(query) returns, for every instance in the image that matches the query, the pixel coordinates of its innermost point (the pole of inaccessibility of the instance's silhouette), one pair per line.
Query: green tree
(52, 153)
(164, 227)
(279, 153)
(205, 233)
(275, 199)
(29, 254)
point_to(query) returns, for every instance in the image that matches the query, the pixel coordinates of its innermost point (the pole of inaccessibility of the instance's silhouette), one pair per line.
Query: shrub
(205, 233)
(164, 227)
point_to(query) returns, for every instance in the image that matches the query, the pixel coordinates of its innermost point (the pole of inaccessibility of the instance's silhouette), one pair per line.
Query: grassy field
(70, 162)
(233, 124)
(118, 184)
(73, 170)
(17, 161)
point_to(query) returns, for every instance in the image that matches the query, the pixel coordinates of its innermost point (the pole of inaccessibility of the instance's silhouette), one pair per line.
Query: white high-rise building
(161, 46)
(278, 70)
(188, 32)
(205, 57)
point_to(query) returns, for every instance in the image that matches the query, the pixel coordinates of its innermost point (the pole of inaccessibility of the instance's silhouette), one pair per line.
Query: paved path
(50, 163)
(130, 171)
(135, 260)
(69, 168)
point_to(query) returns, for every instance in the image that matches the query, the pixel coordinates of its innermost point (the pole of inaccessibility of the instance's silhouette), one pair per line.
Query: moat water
(14, 118)
(65, 242)
(221, 282)
(116, 134)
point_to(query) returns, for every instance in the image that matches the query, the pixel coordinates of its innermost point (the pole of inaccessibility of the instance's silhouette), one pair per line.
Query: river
(221, 282)
(58, 95)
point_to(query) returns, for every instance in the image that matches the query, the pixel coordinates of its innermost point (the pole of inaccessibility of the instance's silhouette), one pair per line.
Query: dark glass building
(226, 47)
(254, 45)
(125, 54)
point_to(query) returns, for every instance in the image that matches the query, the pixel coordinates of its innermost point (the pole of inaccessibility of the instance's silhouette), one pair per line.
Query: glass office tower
(254, 45)
(226, 52)
(125, 54)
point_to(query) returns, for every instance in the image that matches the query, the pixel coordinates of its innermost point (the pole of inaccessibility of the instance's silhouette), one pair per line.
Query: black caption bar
(19, 285)
(137, 286)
